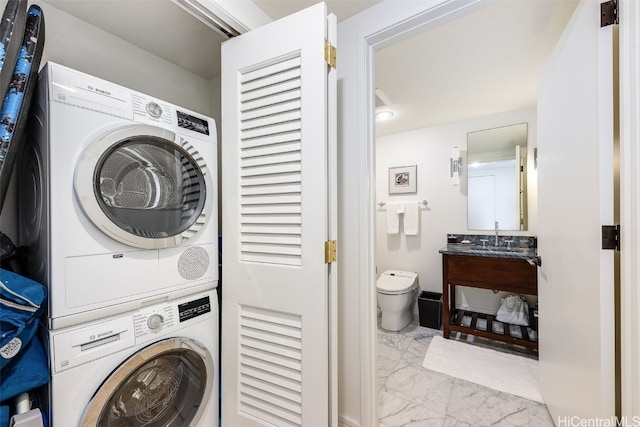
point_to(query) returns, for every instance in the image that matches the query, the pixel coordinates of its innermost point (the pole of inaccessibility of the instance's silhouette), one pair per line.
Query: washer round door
(144, 186)
(167, 384)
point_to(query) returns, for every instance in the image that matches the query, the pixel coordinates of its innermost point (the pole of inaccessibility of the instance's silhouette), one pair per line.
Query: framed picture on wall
(402, 179)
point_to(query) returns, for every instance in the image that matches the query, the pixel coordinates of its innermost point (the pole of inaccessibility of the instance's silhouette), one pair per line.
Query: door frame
(373, 29)
(400, 25)
(630, 206)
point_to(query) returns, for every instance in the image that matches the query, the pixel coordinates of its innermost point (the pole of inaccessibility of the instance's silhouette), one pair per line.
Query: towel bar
(422, 202)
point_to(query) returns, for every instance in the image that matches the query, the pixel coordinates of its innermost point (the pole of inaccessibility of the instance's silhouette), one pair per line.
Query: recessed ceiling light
(384, 115)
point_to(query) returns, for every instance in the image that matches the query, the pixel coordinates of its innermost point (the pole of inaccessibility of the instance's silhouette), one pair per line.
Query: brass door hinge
(330, 54)
(330, 251)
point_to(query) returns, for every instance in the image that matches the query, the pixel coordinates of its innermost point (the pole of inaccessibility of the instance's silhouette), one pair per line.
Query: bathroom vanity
(498, 268)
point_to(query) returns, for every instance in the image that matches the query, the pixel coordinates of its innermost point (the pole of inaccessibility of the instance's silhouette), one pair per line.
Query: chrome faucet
(496, 234)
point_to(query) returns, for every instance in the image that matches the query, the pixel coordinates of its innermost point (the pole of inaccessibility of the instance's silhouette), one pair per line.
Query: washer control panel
(194, 308)
(77, 345)
(154, 109)
(170, 316)
(153, 320)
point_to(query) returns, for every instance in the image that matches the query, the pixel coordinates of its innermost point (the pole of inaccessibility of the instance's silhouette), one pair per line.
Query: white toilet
(397, 292)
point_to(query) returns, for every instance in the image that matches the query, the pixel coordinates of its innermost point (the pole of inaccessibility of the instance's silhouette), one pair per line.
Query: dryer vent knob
(193, 263)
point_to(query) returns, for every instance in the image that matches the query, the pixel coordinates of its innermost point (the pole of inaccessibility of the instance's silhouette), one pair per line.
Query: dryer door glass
(169, 389)
(149, 187)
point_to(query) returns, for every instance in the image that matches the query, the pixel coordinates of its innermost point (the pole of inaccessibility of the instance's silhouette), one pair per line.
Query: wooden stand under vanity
(486, 271)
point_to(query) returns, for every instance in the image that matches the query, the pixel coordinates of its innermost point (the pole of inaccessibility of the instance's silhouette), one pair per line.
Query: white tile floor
(410, 395)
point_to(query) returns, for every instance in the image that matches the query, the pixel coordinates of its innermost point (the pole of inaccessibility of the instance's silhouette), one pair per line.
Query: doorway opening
(440, 88)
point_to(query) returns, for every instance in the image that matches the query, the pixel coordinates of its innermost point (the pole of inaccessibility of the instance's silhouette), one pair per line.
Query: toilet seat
(396, 283)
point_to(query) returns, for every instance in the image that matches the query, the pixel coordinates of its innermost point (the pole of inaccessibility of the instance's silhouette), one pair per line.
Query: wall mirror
(497, 178)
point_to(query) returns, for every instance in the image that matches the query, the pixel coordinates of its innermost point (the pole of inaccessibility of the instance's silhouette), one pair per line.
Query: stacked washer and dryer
(118, 209)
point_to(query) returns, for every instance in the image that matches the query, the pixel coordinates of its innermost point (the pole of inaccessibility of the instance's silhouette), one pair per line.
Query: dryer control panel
(191, 122)
(73, 87)
(147, 109)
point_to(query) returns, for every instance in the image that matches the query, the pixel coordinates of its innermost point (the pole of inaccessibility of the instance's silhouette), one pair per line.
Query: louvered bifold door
(270, 164)
(275, 364)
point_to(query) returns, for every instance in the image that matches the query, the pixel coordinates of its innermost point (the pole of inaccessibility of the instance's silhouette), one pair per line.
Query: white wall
(76, 44)
(430, 149)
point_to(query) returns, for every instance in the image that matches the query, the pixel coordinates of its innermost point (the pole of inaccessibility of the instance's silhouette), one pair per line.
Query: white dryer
(157, 366)
(118, 197)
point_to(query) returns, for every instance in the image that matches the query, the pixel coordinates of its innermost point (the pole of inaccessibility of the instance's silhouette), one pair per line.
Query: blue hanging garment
(4, 415)
(21, 305)
(23, 363)
(27, 372)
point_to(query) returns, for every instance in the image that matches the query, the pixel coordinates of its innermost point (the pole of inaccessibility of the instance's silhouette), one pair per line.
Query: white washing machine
(118, 197)
(154, 367)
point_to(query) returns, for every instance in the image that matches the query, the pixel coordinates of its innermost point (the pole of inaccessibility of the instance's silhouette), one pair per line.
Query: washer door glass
(149, 187)
(169, 389)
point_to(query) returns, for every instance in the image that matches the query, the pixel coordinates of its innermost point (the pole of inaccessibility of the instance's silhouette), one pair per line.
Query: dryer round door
(167, 384)
(144, 186)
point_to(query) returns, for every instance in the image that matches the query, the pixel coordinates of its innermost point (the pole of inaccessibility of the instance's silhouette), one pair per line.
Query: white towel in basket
(515, 310)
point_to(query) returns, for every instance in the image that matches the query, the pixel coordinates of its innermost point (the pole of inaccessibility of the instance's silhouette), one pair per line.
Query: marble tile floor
(412, 396)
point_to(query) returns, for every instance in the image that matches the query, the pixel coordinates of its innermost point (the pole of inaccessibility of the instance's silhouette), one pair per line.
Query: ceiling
(480, 64)
(483, 63)
(343, 9)
(166, 29)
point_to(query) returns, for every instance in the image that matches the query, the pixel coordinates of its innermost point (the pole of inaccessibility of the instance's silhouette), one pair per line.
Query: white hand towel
(411, 219)
(393, 217)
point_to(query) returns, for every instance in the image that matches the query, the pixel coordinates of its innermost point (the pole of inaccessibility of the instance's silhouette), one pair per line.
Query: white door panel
(275, 220)
(575, 187)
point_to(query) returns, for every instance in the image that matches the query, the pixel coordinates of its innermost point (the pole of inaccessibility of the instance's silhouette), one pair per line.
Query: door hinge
(330, 54)
(330, 251)
(608, 13)
(611, 237)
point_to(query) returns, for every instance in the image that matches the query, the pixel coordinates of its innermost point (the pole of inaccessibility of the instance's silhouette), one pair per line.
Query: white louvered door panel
(270, 165)
(271, 366)
(275, 209)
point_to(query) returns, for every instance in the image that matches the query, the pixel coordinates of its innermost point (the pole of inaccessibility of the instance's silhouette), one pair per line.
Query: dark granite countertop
(515, 247)
(489, 251)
